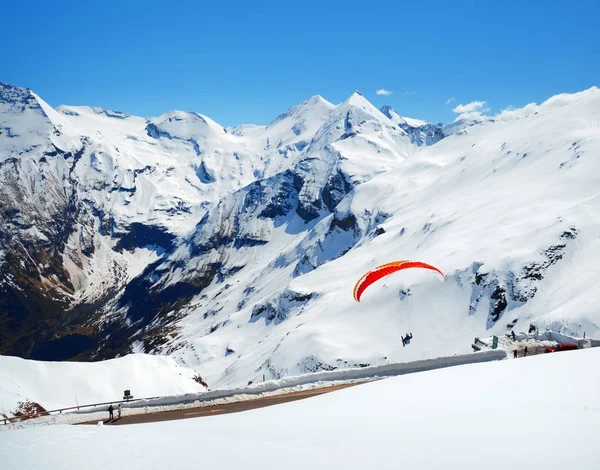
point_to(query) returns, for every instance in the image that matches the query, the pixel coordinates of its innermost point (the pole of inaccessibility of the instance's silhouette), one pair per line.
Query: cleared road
(234, 407)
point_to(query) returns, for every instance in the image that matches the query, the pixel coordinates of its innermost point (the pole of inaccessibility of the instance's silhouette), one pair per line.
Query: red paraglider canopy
(386, 269)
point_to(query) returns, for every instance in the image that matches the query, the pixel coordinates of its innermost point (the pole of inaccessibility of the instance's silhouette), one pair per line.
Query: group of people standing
(111, 410)
(516, 352)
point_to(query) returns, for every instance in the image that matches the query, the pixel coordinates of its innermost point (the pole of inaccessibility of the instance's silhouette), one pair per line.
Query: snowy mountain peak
(184, 125)
(13, 94)
(420, 132)
(357, 108)
(16, 101)
(315, 99)
(28, 122)
(314, 106)
(388, 111)
(357, 99)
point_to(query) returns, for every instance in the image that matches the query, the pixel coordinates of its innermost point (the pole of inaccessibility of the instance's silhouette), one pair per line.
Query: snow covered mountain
(420, 132)
(235, 251)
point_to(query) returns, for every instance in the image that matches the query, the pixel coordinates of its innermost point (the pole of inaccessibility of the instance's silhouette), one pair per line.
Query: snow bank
(494, 416)
(555, 337)
(560, 338)
(320, 379)
(63, 384)
(362, 373)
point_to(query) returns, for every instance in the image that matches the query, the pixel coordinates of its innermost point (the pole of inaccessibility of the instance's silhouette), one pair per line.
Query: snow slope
(56, 385)
(508, 414)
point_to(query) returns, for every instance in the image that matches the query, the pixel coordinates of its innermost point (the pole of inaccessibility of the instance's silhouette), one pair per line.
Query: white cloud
(469, 107)
(512, 113)
(472, 116)
(452, 99)
(383, 91)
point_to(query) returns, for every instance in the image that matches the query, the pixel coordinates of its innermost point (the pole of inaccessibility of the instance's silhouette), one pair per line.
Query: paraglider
(386, 269)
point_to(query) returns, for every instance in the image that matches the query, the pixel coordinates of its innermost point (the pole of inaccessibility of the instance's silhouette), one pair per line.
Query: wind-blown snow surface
(235, 251)
(509, 414)
(56, 385)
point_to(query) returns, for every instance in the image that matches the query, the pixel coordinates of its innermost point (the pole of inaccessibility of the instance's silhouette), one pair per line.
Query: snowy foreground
(535, 412)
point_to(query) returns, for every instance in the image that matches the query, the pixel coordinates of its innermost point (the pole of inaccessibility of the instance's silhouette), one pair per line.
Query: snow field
(537, 412)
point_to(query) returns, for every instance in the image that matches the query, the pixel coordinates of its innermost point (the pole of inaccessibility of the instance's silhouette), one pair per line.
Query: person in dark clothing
(515, 353)
(512, 333)
(110, 411)
(525, 350)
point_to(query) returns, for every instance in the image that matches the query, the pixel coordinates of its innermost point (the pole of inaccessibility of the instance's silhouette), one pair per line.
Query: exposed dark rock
(144, 299)
(337, 187)
(240, 242)
(500, 304)
(152, 130)
(267, 311)
(311, 364)
(63, 348)
(204, 175)
(139, 235)
(283, 200)
(279, 309)
(347, 222)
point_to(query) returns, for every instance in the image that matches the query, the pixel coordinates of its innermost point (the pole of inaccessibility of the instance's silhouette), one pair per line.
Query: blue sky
(245, 62)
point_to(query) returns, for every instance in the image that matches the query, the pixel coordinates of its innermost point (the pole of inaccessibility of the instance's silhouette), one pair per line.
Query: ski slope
(536, 412)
